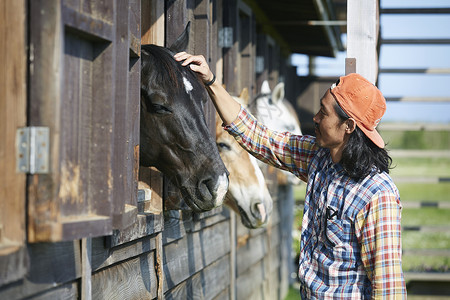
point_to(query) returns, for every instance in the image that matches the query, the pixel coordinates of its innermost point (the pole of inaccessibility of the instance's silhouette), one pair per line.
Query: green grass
(425, 263)
(424, 191)
(425, 216)
(424, 140)
(300, 191)
(421, 166)
(293, 294)
(419, 240)
(425, 167)
(428, 240)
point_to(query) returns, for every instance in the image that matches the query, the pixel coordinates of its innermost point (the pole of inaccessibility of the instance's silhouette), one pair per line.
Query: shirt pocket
(338, 232)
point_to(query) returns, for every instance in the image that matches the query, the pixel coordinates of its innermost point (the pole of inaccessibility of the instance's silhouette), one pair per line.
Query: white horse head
(275, 112)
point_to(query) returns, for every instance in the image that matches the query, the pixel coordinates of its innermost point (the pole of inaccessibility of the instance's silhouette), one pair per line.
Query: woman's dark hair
(360, 154)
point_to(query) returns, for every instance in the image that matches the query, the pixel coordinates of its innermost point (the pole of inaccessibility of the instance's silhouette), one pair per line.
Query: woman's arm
(378, 228)
(226, 106)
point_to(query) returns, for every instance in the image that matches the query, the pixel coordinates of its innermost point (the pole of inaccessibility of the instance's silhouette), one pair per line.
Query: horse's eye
(223, 146)
(160, 109)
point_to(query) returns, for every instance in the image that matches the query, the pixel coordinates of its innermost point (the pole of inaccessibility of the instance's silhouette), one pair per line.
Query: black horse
(174, 136)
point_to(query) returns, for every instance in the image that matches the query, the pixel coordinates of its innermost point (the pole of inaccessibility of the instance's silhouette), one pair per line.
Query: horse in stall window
(174, 136)
(248, 194)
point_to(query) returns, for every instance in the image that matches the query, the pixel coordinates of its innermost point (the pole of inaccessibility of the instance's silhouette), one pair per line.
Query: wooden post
(233, 242)
(362, 36)
(159, 265)
(152, 21)
(86, 269)
(13, 97)
(13, 60)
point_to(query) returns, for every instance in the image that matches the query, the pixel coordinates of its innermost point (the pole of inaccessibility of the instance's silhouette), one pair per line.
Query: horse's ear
(244, 96)
(182, 41)
(278, 93)
(265, 88)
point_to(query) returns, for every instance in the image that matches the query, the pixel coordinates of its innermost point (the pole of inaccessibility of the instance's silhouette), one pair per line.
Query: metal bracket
(226, 37)
(32, 150)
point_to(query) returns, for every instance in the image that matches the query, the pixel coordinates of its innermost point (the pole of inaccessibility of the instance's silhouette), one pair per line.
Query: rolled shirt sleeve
(280, 149)
(378, 227)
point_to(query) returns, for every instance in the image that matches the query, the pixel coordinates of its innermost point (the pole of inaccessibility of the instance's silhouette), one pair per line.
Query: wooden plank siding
(13, 59)
(100, 227)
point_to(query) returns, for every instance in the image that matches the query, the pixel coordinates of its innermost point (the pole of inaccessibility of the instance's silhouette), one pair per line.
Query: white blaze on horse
(174, 136)
(247, 194)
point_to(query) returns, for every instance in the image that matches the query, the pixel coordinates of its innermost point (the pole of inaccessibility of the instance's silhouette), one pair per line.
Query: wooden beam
(427, 276)
(86, 269)
(152, 22)
(313, 23)
(416, 70)
(13, 98)
(419, 99)
(415, 41)
(159, 265)
(362, 36)
(267, 26)
(441, 10)
(233, 241)
(323, 12)
(415, 127)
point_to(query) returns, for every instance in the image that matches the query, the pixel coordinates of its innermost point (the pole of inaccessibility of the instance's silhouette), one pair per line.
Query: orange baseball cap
(362, 101)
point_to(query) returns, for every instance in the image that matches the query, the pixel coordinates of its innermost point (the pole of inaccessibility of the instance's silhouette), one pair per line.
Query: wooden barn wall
(100, 228)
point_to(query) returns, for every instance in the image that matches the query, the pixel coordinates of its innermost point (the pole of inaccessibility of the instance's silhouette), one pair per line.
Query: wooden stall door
(81, 56)
(246, 41)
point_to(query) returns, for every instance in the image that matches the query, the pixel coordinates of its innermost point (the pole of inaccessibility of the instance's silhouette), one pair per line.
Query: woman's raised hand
(226, 106)
(197, 63)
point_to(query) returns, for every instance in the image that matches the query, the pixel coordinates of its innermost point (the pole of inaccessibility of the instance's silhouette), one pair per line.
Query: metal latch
(226, 37)
(32, 150)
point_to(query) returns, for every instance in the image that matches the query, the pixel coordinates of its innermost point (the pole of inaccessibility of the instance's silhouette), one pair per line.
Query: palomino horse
(174, 136)
(274, 111)
(247, 194)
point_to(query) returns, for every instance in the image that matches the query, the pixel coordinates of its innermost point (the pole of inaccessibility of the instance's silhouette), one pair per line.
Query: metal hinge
(226, 37)
(32, 150)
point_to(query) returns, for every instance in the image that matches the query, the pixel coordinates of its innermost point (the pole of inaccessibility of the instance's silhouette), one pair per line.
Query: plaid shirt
(351, 235)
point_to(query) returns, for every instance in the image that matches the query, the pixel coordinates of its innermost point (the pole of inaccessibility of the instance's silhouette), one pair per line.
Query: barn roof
(290, 23)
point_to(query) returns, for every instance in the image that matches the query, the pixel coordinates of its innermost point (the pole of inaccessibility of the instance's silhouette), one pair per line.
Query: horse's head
(274, 111)
(174, 136)
(248, 194)
(277, 113)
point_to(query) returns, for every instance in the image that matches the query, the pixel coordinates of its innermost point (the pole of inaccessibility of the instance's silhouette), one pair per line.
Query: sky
(405, 56)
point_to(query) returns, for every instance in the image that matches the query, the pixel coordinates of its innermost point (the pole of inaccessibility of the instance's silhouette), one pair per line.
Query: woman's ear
(351, 125)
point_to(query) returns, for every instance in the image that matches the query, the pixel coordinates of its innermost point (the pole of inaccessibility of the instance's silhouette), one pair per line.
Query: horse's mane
(166, 72)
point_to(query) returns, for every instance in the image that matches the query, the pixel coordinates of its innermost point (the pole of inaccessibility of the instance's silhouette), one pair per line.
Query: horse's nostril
(206, 188)
(259, 211)
(214, 190)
